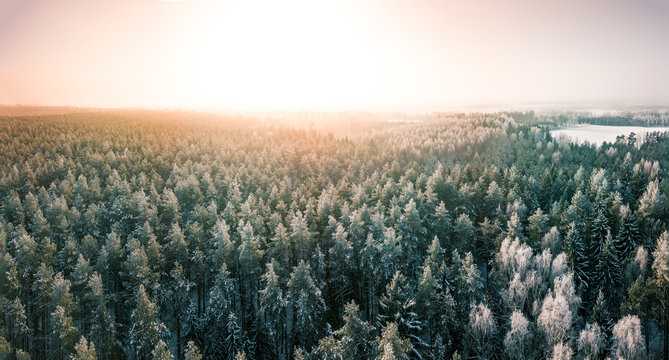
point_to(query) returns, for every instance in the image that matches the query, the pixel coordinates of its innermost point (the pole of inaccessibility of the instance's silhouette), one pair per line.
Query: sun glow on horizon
(418, 55)
(295, 54)
(276, 55)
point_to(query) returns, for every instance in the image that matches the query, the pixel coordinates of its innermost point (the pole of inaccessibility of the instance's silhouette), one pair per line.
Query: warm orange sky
(416, 55)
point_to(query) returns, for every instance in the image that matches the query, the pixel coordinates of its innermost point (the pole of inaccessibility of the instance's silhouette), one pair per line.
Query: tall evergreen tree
(610, 270)
(628, 236)
(146, 329)
(64, 330)
(356, 335)
(398, 306)
(307, 305)
(84, 350)
(161, 352)
(392, 345)
(221, 304)
(272, 310)
(102, 330)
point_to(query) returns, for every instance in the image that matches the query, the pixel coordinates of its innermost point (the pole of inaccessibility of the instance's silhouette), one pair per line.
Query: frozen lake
(598, 134)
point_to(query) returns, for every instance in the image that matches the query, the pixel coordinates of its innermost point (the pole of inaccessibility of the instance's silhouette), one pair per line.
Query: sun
(275, 54)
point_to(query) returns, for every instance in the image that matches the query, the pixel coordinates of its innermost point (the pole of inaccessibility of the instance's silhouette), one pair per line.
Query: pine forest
(183, 235)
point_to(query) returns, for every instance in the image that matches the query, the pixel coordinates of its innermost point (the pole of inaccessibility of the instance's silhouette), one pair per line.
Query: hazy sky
(332, 54)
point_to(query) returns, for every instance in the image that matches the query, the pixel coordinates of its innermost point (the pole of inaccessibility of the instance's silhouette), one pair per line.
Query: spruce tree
(628, 236)
(146, 329)
(610, 271)
(308, 306)
(391, 345)
(272, 309)
(84, 350)
(398, 306)
(102, 329)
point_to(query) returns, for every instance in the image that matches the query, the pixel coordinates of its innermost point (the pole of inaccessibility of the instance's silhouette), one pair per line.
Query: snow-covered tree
(517, 338)
(481, 331)
(192, 352)
(561, 351)
(307, 303)
(661, 281)
(398, 306)
(591, 342)
(628, 236)
(392, 346)
(628, 339)
(84, 350)
(146, 329)
(273, 308)
(161, 352)
(555, 318)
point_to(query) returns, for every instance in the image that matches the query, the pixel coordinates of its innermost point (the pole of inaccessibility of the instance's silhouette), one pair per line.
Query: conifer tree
(272, 309)
(398, 306)
(339, 267)
(84, 350)
(611, 272)
(307, 304)
(192, 352)
(391, 345)
(64, 330)
(102, 329)
(355, 337)
(176, 297)
(161, 352)
(628, 236)
(428, 303)
(413, 235)
(145, 328)
(234, 341)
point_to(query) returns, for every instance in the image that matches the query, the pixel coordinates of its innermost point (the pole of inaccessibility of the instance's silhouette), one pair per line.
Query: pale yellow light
(275, 54)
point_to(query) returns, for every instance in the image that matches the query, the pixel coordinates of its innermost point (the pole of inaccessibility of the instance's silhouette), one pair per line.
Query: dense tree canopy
(147, 235)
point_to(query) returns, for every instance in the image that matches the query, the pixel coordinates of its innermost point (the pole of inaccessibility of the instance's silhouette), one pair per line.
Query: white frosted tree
(652, 201)
(641, 257)
(515, 295)
(524, 273)
(628, 339)
(564, 285)
(555, 318)
(515, 341)
(591, 342)
(561, 351)
(514, 257)
(481, 331)
(559, 265)
(661, 279)
(552, 240)
(651, 214)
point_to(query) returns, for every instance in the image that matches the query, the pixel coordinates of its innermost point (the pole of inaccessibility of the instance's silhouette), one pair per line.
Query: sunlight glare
(274, 54)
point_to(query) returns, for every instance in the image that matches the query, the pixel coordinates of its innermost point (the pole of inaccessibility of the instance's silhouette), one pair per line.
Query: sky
(396, 55)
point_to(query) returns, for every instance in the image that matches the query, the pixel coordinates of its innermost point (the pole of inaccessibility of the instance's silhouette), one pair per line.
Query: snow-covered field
(598, 134)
